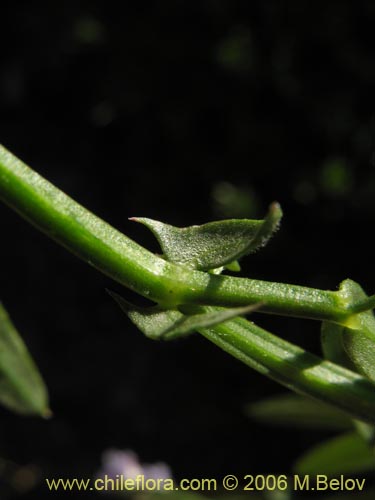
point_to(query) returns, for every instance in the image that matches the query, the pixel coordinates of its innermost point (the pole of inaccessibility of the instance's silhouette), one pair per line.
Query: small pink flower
(125, 463)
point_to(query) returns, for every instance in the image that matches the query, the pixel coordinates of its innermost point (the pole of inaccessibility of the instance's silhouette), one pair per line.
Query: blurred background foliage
(183, 112)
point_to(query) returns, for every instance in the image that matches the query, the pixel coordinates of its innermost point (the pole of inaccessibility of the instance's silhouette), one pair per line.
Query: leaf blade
(214, 244)
(21, 386)
(157, 323)
(345, 454)
(294, 410)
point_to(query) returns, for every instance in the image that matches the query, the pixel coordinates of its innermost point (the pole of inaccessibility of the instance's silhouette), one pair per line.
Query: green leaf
(21, 386)
(214, 244)
(346, 454)
(152, 321)
(293, 410)
(191, 323)
(157, 323)
(358, 332)
(365, 430)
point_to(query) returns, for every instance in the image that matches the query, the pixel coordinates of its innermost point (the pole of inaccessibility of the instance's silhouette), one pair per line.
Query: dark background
(183, 112)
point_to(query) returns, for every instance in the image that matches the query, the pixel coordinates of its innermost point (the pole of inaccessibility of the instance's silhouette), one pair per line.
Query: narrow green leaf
(214, 244)
(365, 430)
(154, 322)
(293, 410)
(21, 386)
(190, 323)
(157, 323)
(346, 454)
(358, 332)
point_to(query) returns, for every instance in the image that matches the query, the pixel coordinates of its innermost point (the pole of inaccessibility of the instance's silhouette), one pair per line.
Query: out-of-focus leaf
(157, 324)
(336, 177)
(152, 321)
(358, 334)
(214, 244)
(21, 386)
(293, 410)
(346, 454)
(365, 430)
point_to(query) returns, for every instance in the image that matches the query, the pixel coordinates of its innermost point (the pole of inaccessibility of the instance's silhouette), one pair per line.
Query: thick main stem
(117, 256)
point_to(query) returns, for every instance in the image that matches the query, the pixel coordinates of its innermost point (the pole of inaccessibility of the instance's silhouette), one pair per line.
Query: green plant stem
(294, 367)
(111, 252)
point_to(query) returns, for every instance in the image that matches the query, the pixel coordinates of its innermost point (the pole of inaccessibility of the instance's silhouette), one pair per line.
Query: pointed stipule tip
(140, 220)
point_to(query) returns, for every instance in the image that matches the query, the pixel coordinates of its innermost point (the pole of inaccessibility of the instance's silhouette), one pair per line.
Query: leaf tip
(275, 210)
(47, 413)
(142, 220)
